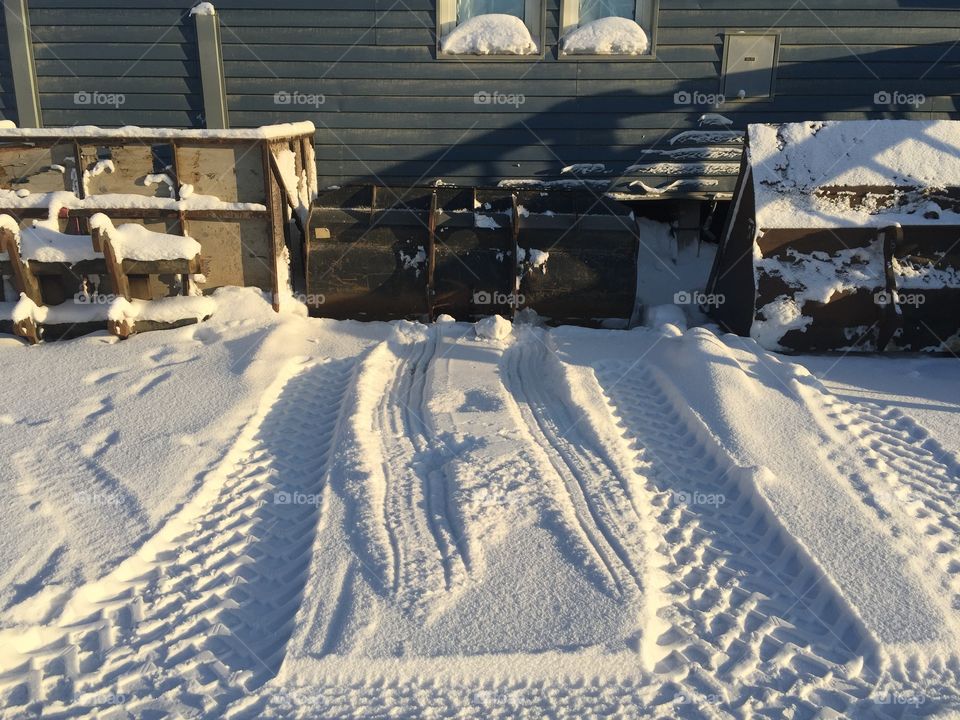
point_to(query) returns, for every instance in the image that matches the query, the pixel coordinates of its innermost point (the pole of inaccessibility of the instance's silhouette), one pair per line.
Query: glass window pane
(591, 10)
(467, 9)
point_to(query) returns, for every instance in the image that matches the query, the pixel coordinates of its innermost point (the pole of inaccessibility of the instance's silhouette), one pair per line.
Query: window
(490, 27)
(608, 27)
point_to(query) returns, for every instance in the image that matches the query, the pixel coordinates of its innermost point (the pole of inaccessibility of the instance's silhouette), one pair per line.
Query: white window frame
(646, 15)
(534, 17)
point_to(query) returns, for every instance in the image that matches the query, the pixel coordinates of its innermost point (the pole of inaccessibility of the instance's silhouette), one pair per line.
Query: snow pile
(492, 34)
(795, 163)
(670, 318)
(607, 36)
(43, 244)
(68, 313)
(203, 8)
(163, 310)
(10, 224)
(493, 328)
(107, 201)
(135, 242)
(134, 132)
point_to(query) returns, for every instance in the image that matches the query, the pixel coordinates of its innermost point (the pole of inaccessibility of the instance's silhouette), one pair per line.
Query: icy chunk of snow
(7, 125)
(493, 34)
(43, 244)
(665, 317)
(135, 242)
(203, 8)
(444, 318)
(607, 36)
(485, 222)
(782, 316)
(493, 328)
(24, 309)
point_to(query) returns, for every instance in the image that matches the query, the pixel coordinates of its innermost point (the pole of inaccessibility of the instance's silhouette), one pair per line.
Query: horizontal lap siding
(8, 103)
(141, 53)
(392, 113)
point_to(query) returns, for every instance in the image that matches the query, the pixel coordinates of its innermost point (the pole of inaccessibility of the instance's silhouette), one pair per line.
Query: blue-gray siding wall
(392, 113)
(8, 103)
(143, 53)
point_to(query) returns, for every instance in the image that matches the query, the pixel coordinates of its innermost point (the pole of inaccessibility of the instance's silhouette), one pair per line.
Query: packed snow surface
(43, 244)
(133, 132)
(607, 36)
(272, 516)
(793, 163)
(135, 242)
(492, 34)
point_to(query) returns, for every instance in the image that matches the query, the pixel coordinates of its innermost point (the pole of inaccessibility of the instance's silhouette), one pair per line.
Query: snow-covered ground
(274, 516)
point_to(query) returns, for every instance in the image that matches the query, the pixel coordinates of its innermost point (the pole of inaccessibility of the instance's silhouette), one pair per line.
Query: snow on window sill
(607, 36)
(484, 35)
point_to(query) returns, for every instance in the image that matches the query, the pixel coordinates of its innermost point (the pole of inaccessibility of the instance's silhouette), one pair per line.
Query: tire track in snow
(200, 616)
(426, 561)
(919, 477)
(601, 511)
(912, 483)
(752, 623)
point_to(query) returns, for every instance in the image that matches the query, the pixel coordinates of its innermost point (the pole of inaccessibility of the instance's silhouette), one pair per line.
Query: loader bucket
(589, 273)
(378, 253)
(474, 261)
(367, 253)
(852, 251)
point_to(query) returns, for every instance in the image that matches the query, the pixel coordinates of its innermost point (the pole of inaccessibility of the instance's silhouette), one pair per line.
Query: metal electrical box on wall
(749, 64)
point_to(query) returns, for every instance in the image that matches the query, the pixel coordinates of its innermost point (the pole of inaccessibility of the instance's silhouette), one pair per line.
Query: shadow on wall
(897, 83)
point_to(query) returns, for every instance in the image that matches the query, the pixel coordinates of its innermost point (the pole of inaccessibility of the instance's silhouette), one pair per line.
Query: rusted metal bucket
(383, 253)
